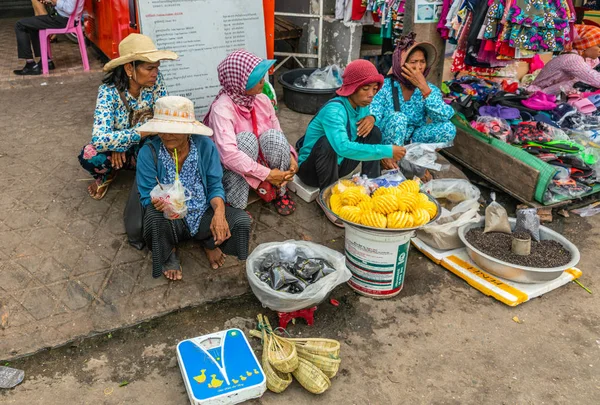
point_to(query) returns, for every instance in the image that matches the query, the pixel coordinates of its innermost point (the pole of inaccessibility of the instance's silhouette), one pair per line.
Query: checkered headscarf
(234, 72)
(589, 36)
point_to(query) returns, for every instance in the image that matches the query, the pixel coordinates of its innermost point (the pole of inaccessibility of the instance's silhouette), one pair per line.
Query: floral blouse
(190, 178)
(415, 112)
(111, 131)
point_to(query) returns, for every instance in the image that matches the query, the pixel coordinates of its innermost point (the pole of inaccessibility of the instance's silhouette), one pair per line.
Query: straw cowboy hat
(174, 115)
(138, 47)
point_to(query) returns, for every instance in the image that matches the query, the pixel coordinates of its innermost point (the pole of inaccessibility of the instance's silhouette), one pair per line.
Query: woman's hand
(398, 152)
(293, 165)
(365, 126)
(416, 78)
(118, 159)
(388, 164)
(160, 205)
(277, 177)
(219, 227)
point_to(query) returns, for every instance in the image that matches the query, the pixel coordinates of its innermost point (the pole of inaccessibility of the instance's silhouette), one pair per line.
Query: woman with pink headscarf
(254, 151)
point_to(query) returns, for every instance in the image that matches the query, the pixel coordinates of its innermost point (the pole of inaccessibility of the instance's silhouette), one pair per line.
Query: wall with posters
(203, 33)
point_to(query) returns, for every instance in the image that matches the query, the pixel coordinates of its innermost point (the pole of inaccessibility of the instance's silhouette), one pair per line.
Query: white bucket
(377, 261)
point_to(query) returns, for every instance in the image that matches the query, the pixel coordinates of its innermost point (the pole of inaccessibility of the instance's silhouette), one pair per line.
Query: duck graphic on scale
(218, 364)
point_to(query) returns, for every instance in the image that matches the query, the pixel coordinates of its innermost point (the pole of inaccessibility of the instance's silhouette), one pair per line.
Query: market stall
(536, 144)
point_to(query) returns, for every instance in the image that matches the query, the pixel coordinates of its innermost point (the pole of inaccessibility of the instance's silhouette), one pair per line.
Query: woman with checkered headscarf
(254, 151)
(562, 72)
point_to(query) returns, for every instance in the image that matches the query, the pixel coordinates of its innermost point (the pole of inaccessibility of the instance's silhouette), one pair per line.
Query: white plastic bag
(314, 293)
(424, 154)
(443, 233)
(329, 77)
(175, 195)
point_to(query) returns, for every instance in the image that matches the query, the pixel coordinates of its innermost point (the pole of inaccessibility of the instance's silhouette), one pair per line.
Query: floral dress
(190, 178)
(111, 131)
(419, 120)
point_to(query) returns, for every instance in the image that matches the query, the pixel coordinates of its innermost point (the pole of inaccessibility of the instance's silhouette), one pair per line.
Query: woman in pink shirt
(254, 151)
(562, 72)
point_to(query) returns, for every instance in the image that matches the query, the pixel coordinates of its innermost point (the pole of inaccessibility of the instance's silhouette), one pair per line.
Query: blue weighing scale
(220, 368)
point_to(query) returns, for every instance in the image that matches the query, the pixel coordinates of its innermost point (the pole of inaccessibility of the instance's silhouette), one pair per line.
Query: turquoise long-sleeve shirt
(332, 122)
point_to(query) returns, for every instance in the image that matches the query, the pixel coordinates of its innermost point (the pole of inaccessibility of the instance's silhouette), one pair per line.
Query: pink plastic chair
(74, 26)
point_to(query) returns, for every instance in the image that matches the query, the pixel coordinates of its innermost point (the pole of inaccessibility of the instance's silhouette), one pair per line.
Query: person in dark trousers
(344, 133)
(27, 30)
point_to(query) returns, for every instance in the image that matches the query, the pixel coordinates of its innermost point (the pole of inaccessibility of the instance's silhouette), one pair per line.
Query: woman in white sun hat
(218, 228)
(125, 101)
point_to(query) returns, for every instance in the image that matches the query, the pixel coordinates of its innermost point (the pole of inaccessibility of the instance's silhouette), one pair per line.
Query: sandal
(102, 189)
(284, 205)
(172, 263)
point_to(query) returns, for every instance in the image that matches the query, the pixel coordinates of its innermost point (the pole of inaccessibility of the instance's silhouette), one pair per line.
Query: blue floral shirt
(416, 111)
(111, 131)
(190, 178)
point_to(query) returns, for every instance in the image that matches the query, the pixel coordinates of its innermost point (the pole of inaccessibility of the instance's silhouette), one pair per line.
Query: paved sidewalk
(66, 269)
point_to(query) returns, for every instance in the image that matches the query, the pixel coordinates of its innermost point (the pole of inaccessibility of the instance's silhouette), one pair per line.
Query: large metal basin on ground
(513, 272)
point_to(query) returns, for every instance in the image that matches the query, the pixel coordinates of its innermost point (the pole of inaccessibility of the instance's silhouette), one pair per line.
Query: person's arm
(66, 6)
(379, 106)
(145, 174)
(104, 137)
(213, 170)
(334, 118)
(221, 121)
(435, 107)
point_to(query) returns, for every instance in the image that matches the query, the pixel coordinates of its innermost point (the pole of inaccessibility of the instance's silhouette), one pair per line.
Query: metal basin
(324, 203)
(513, 272)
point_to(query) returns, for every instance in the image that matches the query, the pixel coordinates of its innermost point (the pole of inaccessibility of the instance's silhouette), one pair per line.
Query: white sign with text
(202, 33)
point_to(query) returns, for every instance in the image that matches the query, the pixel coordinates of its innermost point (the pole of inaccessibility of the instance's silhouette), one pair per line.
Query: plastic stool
(308, 314)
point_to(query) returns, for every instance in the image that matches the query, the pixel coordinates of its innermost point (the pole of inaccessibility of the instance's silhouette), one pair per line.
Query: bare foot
(98, 190)
(216, 258)
(173, 275)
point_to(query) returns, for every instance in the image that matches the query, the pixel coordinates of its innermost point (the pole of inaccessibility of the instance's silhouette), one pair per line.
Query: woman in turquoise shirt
(343, 133)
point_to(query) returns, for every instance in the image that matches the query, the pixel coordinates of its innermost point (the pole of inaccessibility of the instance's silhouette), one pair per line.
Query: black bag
(133, 214)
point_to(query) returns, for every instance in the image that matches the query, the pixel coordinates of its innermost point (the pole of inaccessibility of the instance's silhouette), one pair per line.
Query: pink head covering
(233, 72)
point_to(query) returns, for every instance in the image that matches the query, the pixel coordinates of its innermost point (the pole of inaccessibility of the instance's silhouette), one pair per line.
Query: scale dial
(210, 343)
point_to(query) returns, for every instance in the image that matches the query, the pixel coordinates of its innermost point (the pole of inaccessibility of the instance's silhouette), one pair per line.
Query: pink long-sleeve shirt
(562, 72)
(227, 119)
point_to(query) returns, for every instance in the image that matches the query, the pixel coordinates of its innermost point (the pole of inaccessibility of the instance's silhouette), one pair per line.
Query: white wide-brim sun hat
(174, 115)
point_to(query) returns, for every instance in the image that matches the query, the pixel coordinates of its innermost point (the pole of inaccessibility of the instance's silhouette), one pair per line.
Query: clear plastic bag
(424, 154)
(529, 221)
(588, 211)
(314, 293)
(175, 195)
(329, 77)
(496, 218)
(462, 201)
(301, 81)
(497, 127)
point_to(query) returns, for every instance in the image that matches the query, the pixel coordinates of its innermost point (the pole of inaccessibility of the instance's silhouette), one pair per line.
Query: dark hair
(418, 48)
(118, 76)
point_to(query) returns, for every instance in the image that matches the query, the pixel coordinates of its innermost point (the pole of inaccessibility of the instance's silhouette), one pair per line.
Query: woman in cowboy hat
(409, 108)
(218, 228)
(253, 149)
(125, 100)
(343, 133)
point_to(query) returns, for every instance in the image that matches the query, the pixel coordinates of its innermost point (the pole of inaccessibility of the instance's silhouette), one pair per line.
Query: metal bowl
(513, 272)
(324, 203)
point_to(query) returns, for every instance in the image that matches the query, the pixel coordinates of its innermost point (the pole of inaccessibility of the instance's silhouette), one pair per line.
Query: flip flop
(285, 205)
(103, 189)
